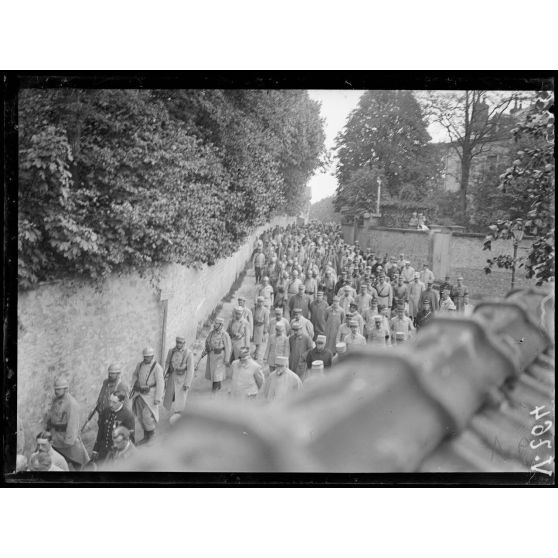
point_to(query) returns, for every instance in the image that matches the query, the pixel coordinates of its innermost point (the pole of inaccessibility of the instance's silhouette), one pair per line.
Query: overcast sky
(336, 106)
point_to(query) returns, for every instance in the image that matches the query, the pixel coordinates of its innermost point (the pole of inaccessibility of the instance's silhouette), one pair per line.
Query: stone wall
(466, 250)
(414, 244)
(465, 256)
(78, 330)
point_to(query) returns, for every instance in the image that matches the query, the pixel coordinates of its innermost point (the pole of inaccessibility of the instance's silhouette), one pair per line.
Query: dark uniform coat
(108, 421)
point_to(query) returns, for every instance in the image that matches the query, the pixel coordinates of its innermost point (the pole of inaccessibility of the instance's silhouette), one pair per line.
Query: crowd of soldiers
(315, 299)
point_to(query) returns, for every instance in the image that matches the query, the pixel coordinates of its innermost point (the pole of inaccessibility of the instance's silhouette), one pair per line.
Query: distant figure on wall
(421, 225)
(413, 221)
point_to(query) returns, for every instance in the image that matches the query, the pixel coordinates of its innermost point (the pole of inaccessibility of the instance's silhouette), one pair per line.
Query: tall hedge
(113, 180)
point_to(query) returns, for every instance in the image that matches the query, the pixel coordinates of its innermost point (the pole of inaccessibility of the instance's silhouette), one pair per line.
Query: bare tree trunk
(465, 174)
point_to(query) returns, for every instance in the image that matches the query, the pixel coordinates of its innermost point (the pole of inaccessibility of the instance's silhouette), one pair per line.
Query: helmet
(61, 382)
(114, 369)
(148, 351)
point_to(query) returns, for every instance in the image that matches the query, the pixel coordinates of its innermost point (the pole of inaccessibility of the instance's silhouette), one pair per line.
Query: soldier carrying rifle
(147, 393)
(110, 384)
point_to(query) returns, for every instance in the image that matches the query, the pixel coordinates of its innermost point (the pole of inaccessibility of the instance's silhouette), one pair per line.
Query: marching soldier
(247, 376)
(179, 373)
(148, 387)
(239, 332)
(281, 382)
(112, 383)
(63, 424)
(218, 349)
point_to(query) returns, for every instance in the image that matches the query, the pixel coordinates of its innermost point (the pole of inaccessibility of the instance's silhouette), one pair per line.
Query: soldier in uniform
(278, 344)
(281, 382)
(239, 332)
(63, 424)
(117, 414)
(424, 315)
(218, 348)
(379, 334)
(149, 386)
(401, 327)
(247, 376)
(179, 373)
(354, 337)
(319, 352)
(246, 313)
(110, 384)
(299, 345)
(261, 328)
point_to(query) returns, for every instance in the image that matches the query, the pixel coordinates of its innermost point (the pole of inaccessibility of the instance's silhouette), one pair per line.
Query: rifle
(132, 391)
(204, 353)
(95, 410)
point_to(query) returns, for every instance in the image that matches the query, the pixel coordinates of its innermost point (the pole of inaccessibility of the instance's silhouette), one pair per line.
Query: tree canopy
(113, 180)
(385, 137)
(531, 181)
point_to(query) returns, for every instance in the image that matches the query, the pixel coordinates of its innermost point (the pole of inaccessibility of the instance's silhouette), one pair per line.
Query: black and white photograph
(274, 277)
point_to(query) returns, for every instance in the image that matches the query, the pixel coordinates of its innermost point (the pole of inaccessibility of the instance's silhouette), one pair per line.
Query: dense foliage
(112, 180)
(531, 180)
(385, 137)
(324, 211)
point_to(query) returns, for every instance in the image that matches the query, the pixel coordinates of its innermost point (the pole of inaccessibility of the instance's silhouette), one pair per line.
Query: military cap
(278, 310)
(219, 320)
(341, 347)
(114, 369)
(281, 360)
(148, 351)
(321, 339)
(241, 298)
(296, 325)
(239, 309)
(180, 339)
(335, 298)
(297, 310)
(61, 382)
(260, 299)
(378, 318)
(318, 365)
(353, 323)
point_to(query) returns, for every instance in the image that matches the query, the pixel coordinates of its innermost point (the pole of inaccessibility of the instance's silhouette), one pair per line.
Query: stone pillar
(438, 253)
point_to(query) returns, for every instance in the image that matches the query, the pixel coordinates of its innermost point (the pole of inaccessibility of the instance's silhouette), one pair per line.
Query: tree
(531, 180)
(472, 120)
(114, 180)
(385, 136)
(324, 211)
